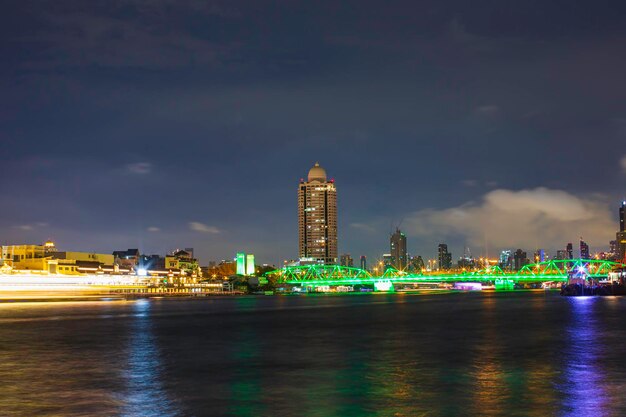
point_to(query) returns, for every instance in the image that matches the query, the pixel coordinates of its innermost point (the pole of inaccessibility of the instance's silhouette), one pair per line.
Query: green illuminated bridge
(550, 271)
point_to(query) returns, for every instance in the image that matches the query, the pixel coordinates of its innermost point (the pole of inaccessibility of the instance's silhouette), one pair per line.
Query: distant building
(363, 262)
(317, 218)
(506, 259)
(416, 264)
(346, 260)
(540, 255)
(570, 251)
(584, 250)
(245, 264)
(397, 244)
(387, 261)
(444, 257)
(561, 255)
(520, 259)
(620, 237)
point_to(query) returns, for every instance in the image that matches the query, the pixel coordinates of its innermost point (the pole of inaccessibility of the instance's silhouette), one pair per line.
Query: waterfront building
(182, 261)
(346, 260)
(317, 218)
(44, 259)
(127, 259)
(444, 257)
(363, 263)
(570, 251)
(622, 217)
(397, 244)
(584, 250)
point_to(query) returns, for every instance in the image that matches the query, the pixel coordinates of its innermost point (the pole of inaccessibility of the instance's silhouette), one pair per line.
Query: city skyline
(441, 121)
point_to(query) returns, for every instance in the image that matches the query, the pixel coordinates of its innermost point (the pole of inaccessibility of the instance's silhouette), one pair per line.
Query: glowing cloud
(528, 218)
(203, 228)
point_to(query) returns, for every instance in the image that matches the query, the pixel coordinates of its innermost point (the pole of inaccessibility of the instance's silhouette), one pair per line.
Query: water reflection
(144, 395)
(584, 393)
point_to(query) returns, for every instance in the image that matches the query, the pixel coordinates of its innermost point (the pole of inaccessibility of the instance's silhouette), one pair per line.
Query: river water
(523, 353)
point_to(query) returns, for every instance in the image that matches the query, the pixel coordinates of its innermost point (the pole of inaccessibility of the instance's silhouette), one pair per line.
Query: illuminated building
(540, 255)
(569, 249)
(387, 261)
(181, 260)
(126, 258)
(245, 264)
(620, 237)
(397, 243)
(346, 260)
(506, 259)
(584, 250)
(317, 218)
(46, 260)
(444, 257)
(250, 269)
(363, 262)
(622, 217)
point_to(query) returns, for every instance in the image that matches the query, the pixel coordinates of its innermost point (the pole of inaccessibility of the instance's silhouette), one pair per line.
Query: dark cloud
(119, 118)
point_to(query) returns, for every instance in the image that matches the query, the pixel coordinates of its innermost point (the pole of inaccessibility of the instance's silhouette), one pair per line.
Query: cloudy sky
(170, 123)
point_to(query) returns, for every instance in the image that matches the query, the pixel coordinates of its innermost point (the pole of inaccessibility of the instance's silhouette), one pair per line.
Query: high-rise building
(520, 259)
(444, 257)
(540, 255)
(387, 261)
(506, 258)
(363, 262)
(620, 236)
(561, 255)
(346, 260)
(397, 243)
(584, 250)
(317, 218)
(416, 264)
(570, 251)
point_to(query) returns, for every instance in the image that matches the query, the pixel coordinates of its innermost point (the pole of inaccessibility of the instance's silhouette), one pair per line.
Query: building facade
(444, 257)
(397, 244)
(346, 260)
(317, 218)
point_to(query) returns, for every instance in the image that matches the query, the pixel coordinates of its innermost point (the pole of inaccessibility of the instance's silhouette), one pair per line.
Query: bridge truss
(549, 271)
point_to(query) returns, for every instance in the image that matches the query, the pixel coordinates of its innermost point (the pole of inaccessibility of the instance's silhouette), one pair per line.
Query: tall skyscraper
(570, 251)
(397, 243)
(444, 257)
(620, 236)
(363, 262)
(584, 249)
(317, 218)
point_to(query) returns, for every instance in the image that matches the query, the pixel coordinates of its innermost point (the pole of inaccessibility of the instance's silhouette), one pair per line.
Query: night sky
(160, 124)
